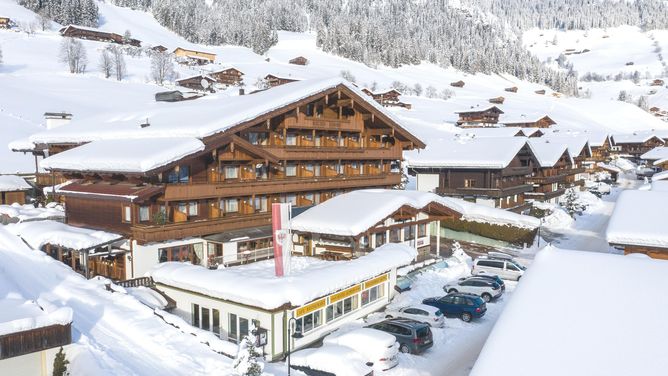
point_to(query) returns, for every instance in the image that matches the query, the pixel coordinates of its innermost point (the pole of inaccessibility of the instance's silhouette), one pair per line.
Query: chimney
(242, 91)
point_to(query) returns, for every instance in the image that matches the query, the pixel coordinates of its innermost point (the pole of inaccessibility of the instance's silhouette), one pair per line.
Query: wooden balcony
(157, 233)
(354, 123)
(547, 179)
(301, 153)
(542, 196)
(179, 192)
(47, 180)
(512, 171)
(486, 192)
(38, 339)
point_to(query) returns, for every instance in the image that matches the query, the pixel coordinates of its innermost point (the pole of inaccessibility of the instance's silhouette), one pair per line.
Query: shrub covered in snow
(505, 233)
(247, 362)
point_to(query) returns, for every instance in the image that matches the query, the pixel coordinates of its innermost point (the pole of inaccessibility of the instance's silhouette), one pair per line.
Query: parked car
(464, 306)
(375, 346)
(330, 360)
(485, 288)
(418, 312)
(491, 277)
(504, 267)
(413, 336)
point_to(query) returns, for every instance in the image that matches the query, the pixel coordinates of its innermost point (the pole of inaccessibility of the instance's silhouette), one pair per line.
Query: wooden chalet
(159, 48)
(176, 96)
(273, 81)
(635, 144)
(408, 223)
(388, 98)
(459, 83)
(540, 92)
(80, 32)
(511, 89)
(199, 82)
(551, 174)
(228, 76)
(299, 60)
(657, 82)
(540, 122)
(193, 57)
(5, 23)
(600, 147)
(13, 189)
(479, 117)
(304, 152)
(490, 171)
(497, 100)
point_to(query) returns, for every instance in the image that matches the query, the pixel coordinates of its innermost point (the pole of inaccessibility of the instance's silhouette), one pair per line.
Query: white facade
(427, 182)
(39, 363)
(232, 321)
(144, 257)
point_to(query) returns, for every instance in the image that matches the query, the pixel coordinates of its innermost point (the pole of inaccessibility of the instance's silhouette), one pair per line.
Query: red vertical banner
(277, 227)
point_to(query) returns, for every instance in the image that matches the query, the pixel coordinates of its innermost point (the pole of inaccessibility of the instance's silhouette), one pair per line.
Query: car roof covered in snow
(339, 360)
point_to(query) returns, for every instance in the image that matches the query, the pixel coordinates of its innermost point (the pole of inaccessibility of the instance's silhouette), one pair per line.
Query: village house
(199, 82)
(5, 23)
(300, 143)
(193, 57)
(459, 83)
(80, 32)
(635, 144)
(299, 60)
(388, 98)
(512, 89)
(56, 119)
(637, 223)
(578, 148)
(657, 82)
(657, 157)
(227, 76)
(159, 48)
(13, 189)
(490, 171)
(497, 100)
(550, 174)
(600, 145)
(273, 81)
(486, 117)
(530, 122)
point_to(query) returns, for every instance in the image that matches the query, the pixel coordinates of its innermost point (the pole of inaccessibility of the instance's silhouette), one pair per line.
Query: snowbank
(18, 315)
(310, 278)
(40, 233)
(25, 213)
(338, 360)
(355, 212)
(639, 218)
(9, 183)
(596, 333)
(147, 296)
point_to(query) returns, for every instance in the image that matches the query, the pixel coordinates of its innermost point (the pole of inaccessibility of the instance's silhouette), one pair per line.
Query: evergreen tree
(571, 203)
(60, 364)
(247, 362)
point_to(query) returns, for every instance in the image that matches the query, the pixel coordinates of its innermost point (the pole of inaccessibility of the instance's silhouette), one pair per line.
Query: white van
(504, 267)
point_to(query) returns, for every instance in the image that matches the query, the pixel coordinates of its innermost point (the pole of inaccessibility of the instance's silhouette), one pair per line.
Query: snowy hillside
(609, 61)
(38, 83)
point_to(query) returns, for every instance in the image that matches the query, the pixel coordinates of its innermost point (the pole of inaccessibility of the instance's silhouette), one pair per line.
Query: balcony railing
(489, 192)
(243, 257)
(511, 171)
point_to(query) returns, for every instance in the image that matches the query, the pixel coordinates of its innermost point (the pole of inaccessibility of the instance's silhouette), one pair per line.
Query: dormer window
(180, 174)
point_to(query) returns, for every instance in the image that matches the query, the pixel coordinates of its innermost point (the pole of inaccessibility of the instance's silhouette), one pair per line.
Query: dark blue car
(464, 306)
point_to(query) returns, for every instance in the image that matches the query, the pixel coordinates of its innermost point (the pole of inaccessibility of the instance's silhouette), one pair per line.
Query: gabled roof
(123, 155)
(658, 153)
(634, 138)
(491, 152)
(526, 119)
(577, 145)
(10, 183)
(639, 218)
(40, 233)
(491, 132)
(217, 114)
(481, 109)
(548, 152)
(201, 76)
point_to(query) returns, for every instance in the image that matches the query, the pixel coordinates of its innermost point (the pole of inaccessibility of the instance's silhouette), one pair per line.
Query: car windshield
(439, 313)
(423, 332)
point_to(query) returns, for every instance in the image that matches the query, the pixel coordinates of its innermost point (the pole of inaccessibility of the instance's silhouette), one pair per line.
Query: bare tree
(73, 53)
(43, 21)
(106, 64)
(118, 62)
(162, 67)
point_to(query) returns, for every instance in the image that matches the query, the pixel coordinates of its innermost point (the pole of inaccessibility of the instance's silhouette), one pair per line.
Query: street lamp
(295, 335)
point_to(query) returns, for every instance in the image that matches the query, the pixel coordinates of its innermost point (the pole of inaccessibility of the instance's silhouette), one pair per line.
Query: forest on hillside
(470, 35)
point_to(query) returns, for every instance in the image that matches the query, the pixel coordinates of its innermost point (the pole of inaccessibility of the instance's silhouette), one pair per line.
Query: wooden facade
(33, 340)
(5, 23)
(299, 60)
(476, 118)
(601, 153)
(549, 183)
(505, 187)
(303, 153)
(497, 100)
(543, 122)
(199, 82)
(636, 149)
(159, 48)
(11, 197)
(653, 252)
(228, 76)
(194, 57)
(73, 31)
(459, 83)
(273, 81)
(511, 89)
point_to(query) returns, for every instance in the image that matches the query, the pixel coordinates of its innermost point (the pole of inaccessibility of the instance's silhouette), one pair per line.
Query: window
(510, 266)
(334, 311)
(409, 233)
(144, 213)
(349, 304)
(291, 198)
(258, 138)
(231, 205)
(291, 139)
(180, 174)
(469, 183)
(291, 170)
(308, 322)
(215, 316)
(192, 208)
(372, 294)
(195, 315)
(380, 239)
(186, 252)
(243, 327)
(205, 319)
(232, 332)
(422, 230)
(395, 235)
(127, 214)
(231, 172)
(260, 204)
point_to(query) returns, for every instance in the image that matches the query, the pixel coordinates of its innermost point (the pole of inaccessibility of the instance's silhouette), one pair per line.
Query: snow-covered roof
(490, 132)
(19, 315)
(205, 117)
(40, 233)
(355, 212)
(514, 119)
(31, 213)
(609, 167)
(478, 108)
(529, 131)
(124, 155)
(9, 183)
(492, 152)
(576, 144)
(659, 185)
(548, 152)
(633, 138)
(537, 335)
(310, 278)
(639, 218)
(659, 152)
(663, 175)
(596, 139)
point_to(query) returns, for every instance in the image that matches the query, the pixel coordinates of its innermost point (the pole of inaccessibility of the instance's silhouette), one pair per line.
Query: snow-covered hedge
(505, 233)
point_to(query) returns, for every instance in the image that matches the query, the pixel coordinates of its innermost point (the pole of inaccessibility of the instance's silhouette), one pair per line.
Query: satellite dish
(205, 83)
